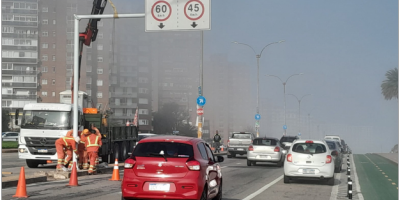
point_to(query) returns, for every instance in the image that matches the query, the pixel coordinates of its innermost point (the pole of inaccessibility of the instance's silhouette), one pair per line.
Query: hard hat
(85, 131)
(69, 133)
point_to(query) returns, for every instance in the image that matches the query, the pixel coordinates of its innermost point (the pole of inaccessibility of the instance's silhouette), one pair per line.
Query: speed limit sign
(164, 15)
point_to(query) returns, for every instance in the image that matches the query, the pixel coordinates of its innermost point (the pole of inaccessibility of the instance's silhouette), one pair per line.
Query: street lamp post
(299, 100)
(284, 93)
(258, 56)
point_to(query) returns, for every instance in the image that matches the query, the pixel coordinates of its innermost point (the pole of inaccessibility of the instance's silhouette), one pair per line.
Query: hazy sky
(344, 48)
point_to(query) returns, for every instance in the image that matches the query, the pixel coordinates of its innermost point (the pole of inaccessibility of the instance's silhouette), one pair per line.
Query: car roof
(289, 136)
(171, 138)
(266, 138)
(314, 141)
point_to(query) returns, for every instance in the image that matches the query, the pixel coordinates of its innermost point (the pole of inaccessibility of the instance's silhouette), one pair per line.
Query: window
(54, 34)
(89, 80)
(53, 81)
(54, 21)
(99, 59)
(309, 148)
(99, 82)
(44, 69)
(100, 35)
(202, 150)
(99, 71)
(45, 58)
(54, 69)
(143, 90)
(143, 122)
(54, 46)
(88, 68)
(99, 47)
(143, 80)
(143, 101)
(45, 21)
(45, 9)
(210, 154)
(144, 111)
(99, 95)
(44, 93)
(45, 33)
(44, 81)
(53, 94)
(45, 45)
(54, 58)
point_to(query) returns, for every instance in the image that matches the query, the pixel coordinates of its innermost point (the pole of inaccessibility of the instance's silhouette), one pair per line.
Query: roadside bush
(9, 144)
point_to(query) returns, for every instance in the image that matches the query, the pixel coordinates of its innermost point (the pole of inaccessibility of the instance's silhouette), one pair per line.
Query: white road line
(358, 189)
(335, 188)
(251, 196)
(238, 163)
(223, 167)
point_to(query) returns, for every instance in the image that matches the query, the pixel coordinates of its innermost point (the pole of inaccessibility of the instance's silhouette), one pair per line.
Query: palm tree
(391, 84)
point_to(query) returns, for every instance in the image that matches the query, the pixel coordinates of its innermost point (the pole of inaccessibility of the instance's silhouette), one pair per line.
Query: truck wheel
(32, 163)
(124, 151)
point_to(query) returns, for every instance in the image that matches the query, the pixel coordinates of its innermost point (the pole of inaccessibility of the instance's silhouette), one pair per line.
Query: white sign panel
(169, 15)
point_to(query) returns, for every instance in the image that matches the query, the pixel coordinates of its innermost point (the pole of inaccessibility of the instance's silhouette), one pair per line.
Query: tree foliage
(172, 118)
(5, 120)
(391, 84)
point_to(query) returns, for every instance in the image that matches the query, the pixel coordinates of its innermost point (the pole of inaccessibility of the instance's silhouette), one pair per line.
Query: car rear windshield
(331, 145)
(288, 139)
(266, 142)
(169, 149)
(241, 135)
(309, 148)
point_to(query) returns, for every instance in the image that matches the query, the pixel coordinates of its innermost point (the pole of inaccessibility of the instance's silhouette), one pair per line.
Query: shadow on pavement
(313, 182)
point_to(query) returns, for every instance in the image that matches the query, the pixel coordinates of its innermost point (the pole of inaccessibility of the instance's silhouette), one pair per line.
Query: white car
(309, 159)
(9, 136)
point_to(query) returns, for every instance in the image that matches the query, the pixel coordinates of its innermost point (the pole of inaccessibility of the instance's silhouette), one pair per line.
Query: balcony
(123, 105)
(123, 116)
(21, 24)
(128, 84)
(19, 11)
(19, 72)
(16, 35)
(128, 95)
(20, 47)
(21, 60)
(14, 96)
(22, 85)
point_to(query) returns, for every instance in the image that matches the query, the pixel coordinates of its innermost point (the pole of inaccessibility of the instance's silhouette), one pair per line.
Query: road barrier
(115, 175)
(73, 180)
(21, 188)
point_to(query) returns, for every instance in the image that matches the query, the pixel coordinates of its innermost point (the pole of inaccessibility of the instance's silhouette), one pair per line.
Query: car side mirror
(220, 159)
(334, 153)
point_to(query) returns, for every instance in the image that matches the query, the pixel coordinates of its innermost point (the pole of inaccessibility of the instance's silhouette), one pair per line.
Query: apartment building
(19, 54)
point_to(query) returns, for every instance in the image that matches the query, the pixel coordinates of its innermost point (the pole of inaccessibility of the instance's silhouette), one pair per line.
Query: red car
(172, 167)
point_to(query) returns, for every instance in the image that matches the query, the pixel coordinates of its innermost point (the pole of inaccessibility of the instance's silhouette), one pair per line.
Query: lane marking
(393, 183)
(360, 196)
(335, 188)
(389, 179)
(251, 196)
(223, 167)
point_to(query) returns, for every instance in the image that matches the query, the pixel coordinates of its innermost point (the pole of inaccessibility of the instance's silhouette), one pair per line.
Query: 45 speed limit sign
(164, 15)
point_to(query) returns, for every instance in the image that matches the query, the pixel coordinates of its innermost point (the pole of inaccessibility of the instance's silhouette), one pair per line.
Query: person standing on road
(67, 143)
(92, 143)
(217, 141)
(93, 127)
(83, 159)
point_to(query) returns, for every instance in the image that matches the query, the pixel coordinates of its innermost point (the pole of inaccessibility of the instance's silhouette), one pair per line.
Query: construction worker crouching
(92, 143)
(68, 144)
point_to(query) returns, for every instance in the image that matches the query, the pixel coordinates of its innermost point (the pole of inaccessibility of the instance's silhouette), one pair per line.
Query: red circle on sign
(152, 11)
(202, 6)
(200, 111)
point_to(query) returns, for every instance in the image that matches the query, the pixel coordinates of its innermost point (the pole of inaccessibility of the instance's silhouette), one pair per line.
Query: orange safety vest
(96, 142)
(67, 145)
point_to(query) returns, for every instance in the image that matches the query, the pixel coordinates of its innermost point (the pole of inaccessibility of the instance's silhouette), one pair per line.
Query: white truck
(41, 125)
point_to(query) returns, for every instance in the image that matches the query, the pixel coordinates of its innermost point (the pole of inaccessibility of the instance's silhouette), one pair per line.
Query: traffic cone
(222, 148)
(21, 187)
(73, 179)
(115, 175)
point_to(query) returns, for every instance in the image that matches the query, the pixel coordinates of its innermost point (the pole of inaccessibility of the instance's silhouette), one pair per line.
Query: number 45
(196, 7)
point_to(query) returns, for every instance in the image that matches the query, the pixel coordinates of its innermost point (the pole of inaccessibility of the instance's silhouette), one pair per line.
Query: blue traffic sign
(299, 134)
(257, 116)
(284, 127)
(201, 101)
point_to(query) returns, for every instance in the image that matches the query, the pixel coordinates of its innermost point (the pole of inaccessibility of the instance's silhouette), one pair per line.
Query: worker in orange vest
(93, 127)
(92, 143)
(67, 143)
(83, 159)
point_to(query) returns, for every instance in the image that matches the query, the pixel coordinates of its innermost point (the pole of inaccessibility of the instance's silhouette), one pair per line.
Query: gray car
(10, 136)
(266, 149)
(336, 153)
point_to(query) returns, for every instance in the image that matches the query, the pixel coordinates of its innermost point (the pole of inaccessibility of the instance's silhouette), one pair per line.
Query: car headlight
(23, 150)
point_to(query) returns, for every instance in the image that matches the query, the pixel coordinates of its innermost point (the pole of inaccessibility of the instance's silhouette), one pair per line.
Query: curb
(9, 150)
(13, 180)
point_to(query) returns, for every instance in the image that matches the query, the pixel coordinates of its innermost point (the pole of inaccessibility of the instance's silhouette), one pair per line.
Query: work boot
(59, 167)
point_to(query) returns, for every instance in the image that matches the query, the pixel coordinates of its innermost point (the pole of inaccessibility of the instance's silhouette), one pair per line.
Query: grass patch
(9, 144)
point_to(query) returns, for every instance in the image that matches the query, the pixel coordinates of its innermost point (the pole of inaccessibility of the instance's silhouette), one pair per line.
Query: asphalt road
(263, 181)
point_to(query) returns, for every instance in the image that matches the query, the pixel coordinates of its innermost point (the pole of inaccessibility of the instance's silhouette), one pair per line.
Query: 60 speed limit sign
(178, 15)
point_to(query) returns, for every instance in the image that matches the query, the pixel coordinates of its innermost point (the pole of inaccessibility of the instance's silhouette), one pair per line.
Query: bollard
(350, 195)
(348, 171)
(348, 163)
(348, 178)
(349, 188)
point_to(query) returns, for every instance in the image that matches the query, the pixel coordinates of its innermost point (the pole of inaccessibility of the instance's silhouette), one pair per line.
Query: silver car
(265, 149)
(10, 136)
(310, 159)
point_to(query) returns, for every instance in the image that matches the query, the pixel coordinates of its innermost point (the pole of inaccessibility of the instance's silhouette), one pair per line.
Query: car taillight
(193, 165)
(328, 159)
(129, 163)
(289, 158)
(309, 141)
(228, 143)
(276, 149)
(251, 148)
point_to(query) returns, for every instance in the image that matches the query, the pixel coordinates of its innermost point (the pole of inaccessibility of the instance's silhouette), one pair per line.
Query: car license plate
(159, 186)
(265, 156)
(42, 150)
(308, 171)
(239, 149)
